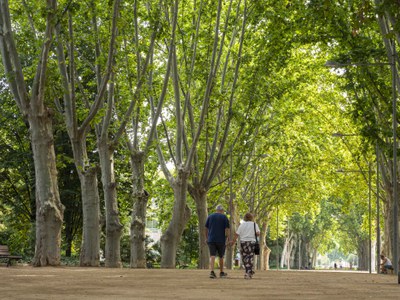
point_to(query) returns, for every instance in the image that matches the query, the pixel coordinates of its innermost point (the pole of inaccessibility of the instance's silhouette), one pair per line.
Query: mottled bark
(362, 253)
(139, 203)
(180, 216)
(90, 248)
(49, 210)
(113, 225)
(200, 198)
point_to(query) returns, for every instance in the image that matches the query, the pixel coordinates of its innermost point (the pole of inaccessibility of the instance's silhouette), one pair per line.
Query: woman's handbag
(257, 245)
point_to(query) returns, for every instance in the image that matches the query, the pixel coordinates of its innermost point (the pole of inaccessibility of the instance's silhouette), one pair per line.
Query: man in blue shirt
(217, 236)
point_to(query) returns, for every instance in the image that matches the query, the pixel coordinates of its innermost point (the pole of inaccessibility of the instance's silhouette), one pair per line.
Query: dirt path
(20, 282)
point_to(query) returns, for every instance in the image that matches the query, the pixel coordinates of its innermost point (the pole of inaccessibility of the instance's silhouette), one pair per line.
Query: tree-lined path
(104, 283)
(128, 119)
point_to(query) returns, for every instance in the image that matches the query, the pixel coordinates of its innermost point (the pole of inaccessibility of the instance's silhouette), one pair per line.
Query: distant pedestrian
(335, 266)
(247, 232)
(217, 235)
(386, 264)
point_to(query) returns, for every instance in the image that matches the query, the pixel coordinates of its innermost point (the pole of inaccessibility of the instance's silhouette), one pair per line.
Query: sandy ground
(25, 282)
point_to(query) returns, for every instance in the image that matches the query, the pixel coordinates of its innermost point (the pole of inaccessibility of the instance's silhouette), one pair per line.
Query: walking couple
(217, 237)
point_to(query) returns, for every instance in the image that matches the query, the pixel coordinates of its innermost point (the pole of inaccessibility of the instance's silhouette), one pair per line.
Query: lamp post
(392, 63)
(378, 228)
(369, 211)
(395, 200)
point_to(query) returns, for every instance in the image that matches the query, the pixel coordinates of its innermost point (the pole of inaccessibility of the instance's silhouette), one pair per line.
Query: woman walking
(247, 232)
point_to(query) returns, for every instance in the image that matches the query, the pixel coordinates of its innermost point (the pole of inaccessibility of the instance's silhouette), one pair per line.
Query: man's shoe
(223, 275)
(212, 275)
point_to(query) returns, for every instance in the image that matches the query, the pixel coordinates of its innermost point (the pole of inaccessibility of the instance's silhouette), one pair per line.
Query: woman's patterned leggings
(247, 253)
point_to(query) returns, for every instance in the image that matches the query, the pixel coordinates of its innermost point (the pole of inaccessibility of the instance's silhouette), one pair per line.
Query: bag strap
(255, 233)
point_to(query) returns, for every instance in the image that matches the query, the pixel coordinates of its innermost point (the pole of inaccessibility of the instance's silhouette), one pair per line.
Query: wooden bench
(5, 254)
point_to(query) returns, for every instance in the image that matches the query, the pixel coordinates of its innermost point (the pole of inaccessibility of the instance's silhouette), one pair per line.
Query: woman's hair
(248, 217)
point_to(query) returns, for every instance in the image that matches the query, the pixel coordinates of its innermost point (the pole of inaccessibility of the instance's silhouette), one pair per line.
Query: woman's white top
(388, 262)
(246, 231)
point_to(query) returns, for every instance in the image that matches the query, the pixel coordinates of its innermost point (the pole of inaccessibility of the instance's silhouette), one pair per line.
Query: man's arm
(235, 237)
(227, 232)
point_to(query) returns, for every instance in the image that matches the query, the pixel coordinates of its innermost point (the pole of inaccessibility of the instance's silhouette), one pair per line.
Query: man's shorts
(217, 247)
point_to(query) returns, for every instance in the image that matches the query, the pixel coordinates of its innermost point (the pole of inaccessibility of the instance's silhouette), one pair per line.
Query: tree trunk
(230, 253)
(313, 258)
(180, 216)
(49, 210)
(284, 253)
(388, 228)
(308, 253)
(291, 253)
(299, 262)
(200, 198)
(266, 253)
(362, 253)
(263, 246)
(113, 225)
(305, 254)
(139, 202)
(90, 248)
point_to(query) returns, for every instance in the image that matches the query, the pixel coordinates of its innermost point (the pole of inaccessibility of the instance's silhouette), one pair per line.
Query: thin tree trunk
(200, 199)
(230, 253)
(284, 253)
(299, 263)
(113, 225)
(138, 223)
(263, 246)
(387, 209)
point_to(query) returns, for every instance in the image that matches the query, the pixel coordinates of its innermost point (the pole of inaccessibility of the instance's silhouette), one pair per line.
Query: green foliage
(17, 206)
(188, 252)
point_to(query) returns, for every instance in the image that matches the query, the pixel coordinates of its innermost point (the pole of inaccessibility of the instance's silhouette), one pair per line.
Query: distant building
(152, 230)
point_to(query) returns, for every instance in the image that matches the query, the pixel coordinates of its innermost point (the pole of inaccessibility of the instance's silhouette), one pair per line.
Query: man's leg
(213, 251)
(221, 254)
(212, 262)
(221, 264)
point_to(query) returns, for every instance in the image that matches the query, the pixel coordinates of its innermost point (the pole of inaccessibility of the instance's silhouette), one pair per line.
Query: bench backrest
(4, 250)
